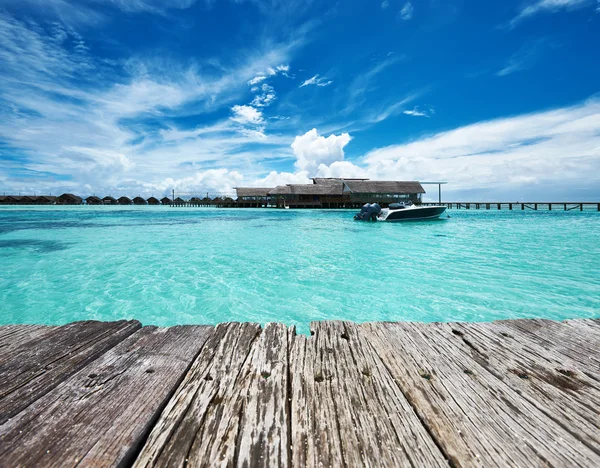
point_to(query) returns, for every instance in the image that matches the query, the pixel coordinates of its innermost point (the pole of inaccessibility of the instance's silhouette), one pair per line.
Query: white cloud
(385, 4)
(312, 149)
(247, 115)
(266, 98)
(523, 59)
(256, 80)
(212, 180)
(550, 6)
(416, 112)
(316, 80)
(275, 178)
(407, 11)
(558, 148)
(90, 135)
(342, 169)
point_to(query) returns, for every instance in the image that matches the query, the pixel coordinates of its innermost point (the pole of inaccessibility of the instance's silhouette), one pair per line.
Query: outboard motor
(369, 212)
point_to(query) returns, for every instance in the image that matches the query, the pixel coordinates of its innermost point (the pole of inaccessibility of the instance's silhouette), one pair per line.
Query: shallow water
(168, 266)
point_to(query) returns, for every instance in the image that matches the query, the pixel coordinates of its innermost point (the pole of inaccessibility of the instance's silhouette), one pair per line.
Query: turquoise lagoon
(167, 266)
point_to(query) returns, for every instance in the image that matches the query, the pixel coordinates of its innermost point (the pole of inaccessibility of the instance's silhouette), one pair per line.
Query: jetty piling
(515, 392)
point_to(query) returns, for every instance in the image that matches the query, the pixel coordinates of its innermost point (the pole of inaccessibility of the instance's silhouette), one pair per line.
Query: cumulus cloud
(274, 178)
(247, 115)
(312, 149)
(342, 169)
(317, 81)
(407, 11)
(212, 180)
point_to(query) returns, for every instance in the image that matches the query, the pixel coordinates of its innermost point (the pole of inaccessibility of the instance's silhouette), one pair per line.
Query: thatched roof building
(110, 201)
(93, 200)
(252, 193)
(124, 200)
(179, 201)
(338, 193)
(69, 199)
(166, 201)
(381, 186)
(45, 200)
(139, 201)
(27, 200)
(153, 201)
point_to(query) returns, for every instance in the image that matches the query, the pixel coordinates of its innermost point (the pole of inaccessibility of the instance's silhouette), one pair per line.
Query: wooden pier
(508, 393)
(535, 206)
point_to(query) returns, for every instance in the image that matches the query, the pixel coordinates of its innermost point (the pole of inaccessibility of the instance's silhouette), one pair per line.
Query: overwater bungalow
(153, 201)
(252, 197)
(217, 201)
(109, 201)
(345, 193)
(228, 201)
(139, 201)
(195, 201)
(45, 200)
(124, 200)
(180, 202)
(93, 200)
(207, 201)
(166, 201)
(69, 199)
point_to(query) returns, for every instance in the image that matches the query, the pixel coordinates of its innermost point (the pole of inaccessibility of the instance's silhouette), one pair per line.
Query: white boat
(399, 212)
(409, 212)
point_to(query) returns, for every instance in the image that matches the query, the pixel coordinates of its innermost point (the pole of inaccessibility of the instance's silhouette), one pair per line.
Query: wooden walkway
(511, 393)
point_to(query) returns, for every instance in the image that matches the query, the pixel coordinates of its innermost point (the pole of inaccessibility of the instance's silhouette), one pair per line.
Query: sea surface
(167, 266)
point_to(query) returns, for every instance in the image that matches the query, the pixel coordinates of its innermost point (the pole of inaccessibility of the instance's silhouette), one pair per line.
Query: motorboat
(410, 212)
(399, 212)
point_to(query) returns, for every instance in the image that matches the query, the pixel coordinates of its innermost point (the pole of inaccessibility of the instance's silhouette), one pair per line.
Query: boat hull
(416, 214)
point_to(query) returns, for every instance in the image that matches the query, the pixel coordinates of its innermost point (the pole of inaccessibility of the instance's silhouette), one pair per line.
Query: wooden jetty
(507, 393)
(535, 206)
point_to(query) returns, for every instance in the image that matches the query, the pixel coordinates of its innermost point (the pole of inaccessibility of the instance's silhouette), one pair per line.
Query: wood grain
(200, 424)
(30, 371)
(347, 409)
(101, 415)
(15, 336)
(475, 416)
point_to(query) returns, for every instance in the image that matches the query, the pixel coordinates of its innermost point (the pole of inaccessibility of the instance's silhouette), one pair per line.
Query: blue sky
(142, 96)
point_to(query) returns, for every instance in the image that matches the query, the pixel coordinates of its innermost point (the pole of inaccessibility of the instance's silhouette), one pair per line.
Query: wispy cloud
(558, 148)
(317, 81)
(524, 58)
(549, 6)
(406, 12)
(385, 4)
(417, 112)
(90, 122)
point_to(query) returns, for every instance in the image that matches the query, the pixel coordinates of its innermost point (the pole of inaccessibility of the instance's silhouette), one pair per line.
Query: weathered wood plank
(29, 372)
(14, 336)
(555, 387)
(200, 424)
(368, 420)
(101, 415)
(315, 430)
(263, 438)
(476, 418)
(560, 337)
